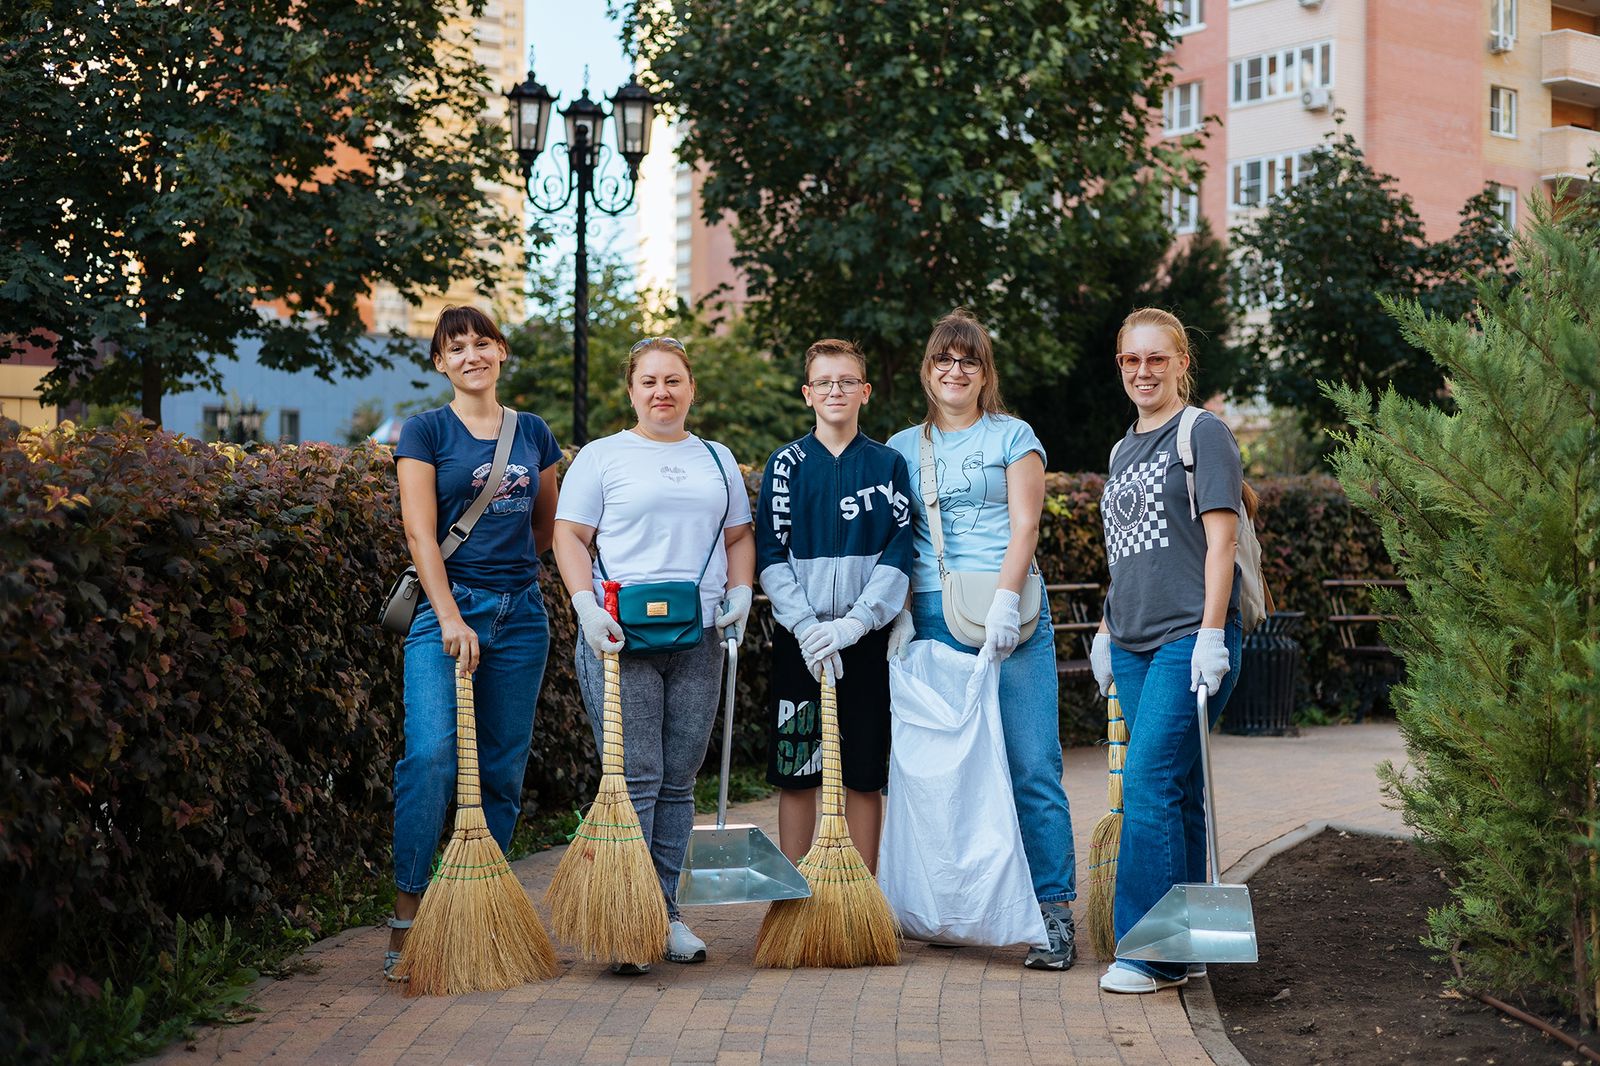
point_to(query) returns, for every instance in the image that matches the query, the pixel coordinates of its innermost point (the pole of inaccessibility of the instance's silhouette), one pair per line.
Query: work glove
(1209, 663)
(831, 665)
(1002, 627)
(901, 632)
(733, 614)
(1100, 662)
(600, 631)
(824, 643)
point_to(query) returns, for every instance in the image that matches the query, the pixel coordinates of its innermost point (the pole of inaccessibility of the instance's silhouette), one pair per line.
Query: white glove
(733, 614)
(832, 665)
(1209, 663)
(830, 638)
(901, 632)
(1003, 625)
(600, 631)
(1100, 662)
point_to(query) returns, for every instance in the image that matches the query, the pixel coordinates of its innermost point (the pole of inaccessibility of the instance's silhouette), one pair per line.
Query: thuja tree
(1492, 514)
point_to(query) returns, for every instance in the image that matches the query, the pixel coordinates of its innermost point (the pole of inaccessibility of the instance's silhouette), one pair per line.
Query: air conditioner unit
(1310, 3)
(1316, 99)
(1501, 42)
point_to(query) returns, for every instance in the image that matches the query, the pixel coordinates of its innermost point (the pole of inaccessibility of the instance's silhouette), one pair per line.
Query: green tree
(1491, 512)
(743, 397)
(167, 169)
(1323, 257)
(884, 162)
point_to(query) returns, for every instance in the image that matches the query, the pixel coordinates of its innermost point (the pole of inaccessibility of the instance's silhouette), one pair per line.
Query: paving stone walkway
(937, 1006)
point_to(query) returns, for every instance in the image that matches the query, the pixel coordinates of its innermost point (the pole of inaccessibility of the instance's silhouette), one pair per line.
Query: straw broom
(1106, 841)
(605, 898)
(846, 921)
(476, 929)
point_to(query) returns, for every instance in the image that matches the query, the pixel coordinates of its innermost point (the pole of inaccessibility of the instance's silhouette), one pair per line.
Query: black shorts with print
(794, 749)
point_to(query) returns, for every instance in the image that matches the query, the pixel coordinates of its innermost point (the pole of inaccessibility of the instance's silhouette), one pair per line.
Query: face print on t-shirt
(962, 494)
(512, 495)
(1135, 515)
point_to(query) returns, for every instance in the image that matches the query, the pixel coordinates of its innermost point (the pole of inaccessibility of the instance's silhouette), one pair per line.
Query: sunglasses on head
(656, 342)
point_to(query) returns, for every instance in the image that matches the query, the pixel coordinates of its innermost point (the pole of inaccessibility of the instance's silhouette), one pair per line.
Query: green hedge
(198, 717)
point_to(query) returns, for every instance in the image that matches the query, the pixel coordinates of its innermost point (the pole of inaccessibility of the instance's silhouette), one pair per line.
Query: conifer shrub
(1492, 515)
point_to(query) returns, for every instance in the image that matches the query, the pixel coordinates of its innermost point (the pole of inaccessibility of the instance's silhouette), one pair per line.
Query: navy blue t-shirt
(499, 554)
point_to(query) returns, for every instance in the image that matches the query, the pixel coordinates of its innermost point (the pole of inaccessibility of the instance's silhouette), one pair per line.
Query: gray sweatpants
(669, 703)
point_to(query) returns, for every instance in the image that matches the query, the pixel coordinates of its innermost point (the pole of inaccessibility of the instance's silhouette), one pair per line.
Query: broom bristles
(476, 929)
(605, 899)
(846, 921)
(1104, 845)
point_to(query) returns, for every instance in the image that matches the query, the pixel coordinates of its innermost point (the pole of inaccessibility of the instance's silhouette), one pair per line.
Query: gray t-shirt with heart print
(1156, 551)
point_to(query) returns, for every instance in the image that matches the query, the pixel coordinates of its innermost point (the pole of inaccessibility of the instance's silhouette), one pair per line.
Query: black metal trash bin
(1262, 703)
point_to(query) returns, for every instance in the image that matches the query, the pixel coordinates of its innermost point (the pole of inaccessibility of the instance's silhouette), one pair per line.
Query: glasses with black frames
(970, 364)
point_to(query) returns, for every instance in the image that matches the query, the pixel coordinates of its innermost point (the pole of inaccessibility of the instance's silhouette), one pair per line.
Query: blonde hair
(1154, 316)
(831, 346)
(960, 332)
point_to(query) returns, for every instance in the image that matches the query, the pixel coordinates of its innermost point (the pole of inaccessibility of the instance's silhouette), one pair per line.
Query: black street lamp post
(584, 179)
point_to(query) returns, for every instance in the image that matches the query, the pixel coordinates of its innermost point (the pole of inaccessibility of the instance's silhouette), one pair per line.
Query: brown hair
(1154, 316)
(960, 331)
(456, 322)
(656, 344)
(830, 346)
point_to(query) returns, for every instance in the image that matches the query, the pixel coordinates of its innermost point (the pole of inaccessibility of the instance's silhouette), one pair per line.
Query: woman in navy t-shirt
(483, 613)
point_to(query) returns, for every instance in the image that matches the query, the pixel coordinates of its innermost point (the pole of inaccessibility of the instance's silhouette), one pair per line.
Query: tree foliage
(1491, 511)
(1321, 259)
(884, 162)
(167, 169)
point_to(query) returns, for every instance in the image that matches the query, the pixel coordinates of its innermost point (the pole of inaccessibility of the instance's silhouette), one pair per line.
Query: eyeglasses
(656, 342)
(1157, 362)
(970, 364)
(846, 386)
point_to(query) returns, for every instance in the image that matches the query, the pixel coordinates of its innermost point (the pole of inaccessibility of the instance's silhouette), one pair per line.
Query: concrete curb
(1204, 1017)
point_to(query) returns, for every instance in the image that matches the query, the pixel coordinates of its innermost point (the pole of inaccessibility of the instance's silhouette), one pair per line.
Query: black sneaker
(1060, 928)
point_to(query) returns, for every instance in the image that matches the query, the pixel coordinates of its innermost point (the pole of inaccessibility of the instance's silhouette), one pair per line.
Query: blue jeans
(1031, 717)
(513, 638)
(1163, 816)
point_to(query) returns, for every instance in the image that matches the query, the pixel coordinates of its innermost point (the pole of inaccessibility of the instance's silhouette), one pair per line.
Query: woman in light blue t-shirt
(989, 469)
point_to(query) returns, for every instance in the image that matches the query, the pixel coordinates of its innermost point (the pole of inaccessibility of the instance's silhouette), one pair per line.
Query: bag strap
(457, 534)
(929, 485)
(727, 504)
(1186, 452)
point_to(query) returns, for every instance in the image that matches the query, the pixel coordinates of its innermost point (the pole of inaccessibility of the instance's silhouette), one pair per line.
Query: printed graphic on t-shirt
(799, 751)
(511, 497)
(962, 495)
(1135, 516)
(674, 474)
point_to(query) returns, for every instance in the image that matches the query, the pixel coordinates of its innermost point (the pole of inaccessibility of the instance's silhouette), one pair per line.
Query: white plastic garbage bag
(951, 861)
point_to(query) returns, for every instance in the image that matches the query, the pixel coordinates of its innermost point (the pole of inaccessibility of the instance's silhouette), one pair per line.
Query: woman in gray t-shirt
(1171, 622)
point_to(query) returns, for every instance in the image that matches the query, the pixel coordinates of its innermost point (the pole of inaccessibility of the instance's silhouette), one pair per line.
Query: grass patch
(745, 783)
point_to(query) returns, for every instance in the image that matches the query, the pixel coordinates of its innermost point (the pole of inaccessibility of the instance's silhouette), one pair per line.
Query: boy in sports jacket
(833, 552)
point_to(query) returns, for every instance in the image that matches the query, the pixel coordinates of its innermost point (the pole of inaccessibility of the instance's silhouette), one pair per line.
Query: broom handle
(832, 771)
(611, 704)
(468, 793)
(1205, 770)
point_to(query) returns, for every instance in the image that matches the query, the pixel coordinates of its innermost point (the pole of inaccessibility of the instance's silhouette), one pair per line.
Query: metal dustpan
(735, 863)
(1210, 922)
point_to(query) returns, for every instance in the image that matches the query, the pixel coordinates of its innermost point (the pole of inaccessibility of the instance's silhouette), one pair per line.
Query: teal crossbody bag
(663, 616)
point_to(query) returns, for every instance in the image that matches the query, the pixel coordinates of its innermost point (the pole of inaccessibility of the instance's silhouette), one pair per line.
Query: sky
(565, 35)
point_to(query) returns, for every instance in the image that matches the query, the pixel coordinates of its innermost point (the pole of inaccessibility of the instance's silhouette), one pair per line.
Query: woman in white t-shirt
(658, 503)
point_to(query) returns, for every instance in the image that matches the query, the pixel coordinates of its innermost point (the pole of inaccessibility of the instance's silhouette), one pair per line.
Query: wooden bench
(1375, 665)
(1075, 615)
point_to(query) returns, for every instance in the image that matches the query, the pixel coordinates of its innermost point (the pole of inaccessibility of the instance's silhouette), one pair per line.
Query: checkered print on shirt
(1134, 514)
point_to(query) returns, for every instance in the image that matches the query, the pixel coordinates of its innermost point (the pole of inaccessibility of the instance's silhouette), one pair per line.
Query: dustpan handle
(1205, 769)
(727, 730)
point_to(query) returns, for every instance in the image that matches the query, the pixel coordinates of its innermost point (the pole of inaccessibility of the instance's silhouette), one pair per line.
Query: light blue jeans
(1163, 816)
(513, 640)
(1031, 718)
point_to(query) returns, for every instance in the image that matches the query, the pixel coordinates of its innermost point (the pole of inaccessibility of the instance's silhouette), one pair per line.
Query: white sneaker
(1196, 969)
(1120, 978)
(682, 945)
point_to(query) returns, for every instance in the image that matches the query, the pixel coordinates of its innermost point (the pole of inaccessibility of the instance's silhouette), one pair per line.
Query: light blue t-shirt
(970, 468)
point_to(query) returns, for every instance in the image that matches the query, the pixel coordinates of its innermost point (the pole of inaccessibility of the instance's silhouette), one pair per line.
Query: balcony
(1566, 152)
(1571, 66)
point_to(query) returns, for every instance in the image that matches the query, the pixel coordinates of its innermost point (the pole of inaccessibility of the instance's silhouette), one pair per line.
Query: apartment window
(289, 426)
(1255, 181)
(1180, 111)
(1503, 17)
(1183, 209)
(1276, 75)
(1502, 111)
(1505, 204)
(209, 417)
(1185, 15)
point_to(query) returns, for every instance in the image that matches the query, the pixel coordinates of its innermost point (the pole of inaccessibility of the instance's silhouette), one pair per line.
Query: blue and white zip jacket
(833, 533)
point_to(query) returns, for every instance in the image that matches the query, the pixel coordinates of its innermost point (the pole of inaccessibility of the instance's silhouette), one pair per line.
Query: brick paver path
(937, 1006)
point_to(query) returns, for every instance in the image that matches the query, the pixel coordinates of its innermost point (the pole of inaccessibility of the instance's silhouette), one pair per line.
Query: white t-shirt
(655, 509)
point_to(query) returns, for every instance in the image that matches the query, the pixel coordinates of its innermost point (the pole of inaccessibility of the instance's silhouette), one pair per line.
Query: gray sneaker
(1062, 931)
